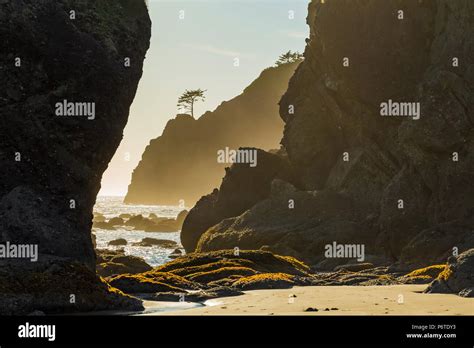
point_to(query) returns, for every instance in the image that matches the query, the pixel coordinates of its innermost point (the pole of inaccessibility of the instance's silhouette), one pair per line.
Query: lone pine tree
(188, 98)
(289, 57)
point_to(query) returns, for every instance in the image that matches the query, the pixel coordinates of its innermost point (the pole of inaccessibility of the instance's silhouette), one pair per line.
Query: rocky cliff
(182, 164)
(69, 73)
(400, 185)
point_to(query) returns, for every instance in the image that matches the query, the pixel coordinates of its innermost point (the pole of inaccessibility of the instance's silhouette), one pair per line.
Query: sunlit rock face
(69, 73)
(379, 121)
(405, 170)
(182, 164)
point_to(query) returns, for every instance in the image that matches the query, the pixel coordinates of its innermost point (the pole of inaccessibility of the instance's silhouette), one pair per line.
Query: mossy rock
(422, 275)
(457, 277)
(446, 274)
(151, 281)
(106, 255)
(419, 279)
(260, 261)
(431, 271)
(215, 269)
(210, 267)
(265, 281)
(381, 279)
(48, 287)
(228, 281)
(224, 272)
(170, 278)
(119, 263)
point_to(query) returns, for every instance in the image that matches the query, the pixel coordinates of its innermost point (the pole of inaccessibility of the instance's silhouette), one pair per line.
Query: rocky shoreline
(401, 188)
(124, 281)
(199, 277)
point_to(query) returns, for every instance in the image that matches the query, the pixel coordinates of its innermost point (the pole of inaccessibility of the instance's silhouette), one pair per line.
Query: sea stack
(51, 51)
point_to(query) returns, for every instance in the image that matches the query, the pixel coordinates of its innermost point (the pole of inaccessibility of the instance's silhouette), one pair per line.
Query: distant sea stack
(181, 164)
(401, 185)
(54, 52)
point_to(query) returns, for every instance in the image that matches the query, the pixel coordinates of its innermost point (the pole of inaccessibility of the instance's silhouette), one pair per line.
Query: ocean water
(113, 206)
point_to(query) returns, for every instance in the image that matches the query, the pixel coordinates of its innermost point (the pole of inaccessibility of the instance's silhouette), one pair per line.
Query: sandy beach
(349, 300)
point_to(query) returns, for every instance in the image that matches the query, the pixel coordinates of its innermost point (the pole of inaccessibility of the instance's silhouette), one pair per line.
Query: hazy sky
(200, 51)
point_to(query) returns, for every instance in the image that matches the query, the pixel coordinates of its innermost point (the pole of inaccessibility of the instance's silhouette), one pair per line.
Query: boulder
(175, 254)
(138, 222)
(116, 221)
(315, 219)
(43, 286)
(457, 277)
(242, 187)
(106, 255)
(98, 217)
(265, 281)
(152, 282)
(423, 275)
(260, 261)
(119, 241)
(110, 263)
(214, 275)
(103, 225)
(164, 243)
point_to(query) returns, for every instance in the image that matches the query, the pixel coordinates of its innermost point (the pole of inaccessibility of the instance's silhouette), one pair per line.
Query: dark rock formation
(437, 243)
(315, 220)
(52, 165)
(393, 184)
(242, 187)
(260, 261)
(175, 254)
(182, 164)
(116, 221)
(457, 277)
(197, 277)
(114, 262)
(423, 275)
(391, 158)
(164, 243)
(266, 281)
(150, 282)
(119, 241)
(215, 274)
(57, 285)
(151, 224)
